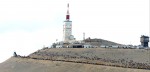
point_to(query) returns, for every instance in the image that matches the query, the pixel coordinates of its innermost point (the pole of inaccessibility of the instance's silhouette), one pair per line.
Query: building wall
(67, 30)
(144, 41)
(87, 46)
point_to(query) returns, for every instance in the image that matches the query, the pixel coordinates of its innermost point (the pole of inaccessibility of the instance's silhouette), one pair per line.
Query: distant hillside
(99, 42)
(32, 65)
(127, 58)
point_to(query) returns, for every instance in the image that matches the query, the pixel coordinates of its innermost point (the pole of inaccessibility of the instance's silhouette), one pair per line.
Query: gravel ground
(136, 55)
(31, 65)
(127, 58)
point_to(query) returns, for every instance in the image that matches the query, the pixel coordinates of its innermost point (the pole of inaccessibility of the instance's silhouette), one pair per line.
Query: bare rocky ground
(80, 60)
(128, 58)
(15, 64)
(137, 55)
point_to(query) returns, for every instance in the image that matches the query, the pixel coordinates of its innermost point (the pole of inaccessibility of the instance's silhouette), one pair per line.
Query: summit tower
(67, 28)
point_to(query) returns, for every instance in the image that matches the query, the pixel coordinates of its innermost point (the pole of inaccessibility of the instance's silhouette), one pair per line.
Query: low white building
(102, 46)
(59, 46)
(87, 46)
(115, 46)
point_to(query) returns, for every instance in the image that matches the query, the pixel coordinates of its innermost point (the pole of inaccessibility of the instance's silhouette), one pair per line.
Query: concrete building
(144, 41)
(86, 45)
(67, 28)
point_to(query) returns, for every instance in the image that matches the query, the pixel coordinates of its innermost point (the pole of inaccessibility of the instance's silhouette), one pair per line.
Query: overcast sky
(28, 25)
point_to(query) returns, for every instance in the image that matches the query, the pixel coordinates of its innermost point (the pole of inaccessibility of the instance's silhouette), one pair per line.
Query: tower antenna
(67, 16)
(67, 27)
(83, 36)
(68, 9)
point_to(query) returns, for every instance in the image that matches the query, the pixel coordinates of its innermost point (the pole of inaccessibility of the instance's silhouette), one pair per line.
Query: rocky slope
(127, 58)
(99, 42)
(32, 65)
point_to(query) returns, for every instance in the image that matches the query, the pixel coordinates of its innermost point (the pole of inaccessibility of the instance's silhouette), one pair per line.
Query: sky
(29, 25)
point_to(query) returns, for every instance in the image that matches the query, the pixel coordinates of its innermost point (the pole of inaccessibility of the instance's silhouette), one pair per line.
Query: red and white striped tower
(67, 27)
(68, 16)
